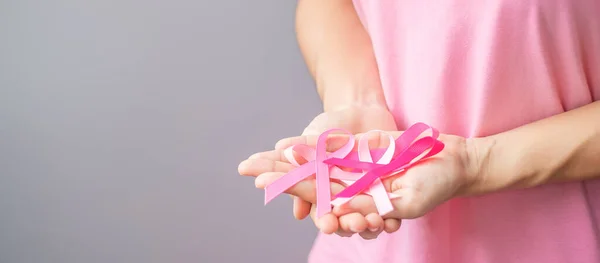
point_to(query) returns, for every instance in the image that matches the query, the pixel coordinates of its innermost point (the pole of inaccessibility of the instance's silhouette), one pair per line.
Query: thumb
(362, 204)
(409, 204)
(310, 130)
(314, 127)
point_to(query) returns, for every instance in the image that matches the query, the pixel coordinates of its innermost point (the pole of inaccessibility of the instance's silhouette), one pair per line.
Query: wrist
(349, 87)
(343, 97)
(494, 167)
(479, 153)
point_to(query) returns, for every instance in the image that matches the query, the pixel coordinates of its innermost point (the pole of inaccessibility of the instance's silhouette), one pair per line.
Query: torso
(476, 68)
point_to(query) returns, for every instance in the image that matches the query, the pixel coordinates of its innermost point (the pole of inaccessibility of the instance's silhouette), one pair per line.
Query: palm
(354, 119)
(430, 183)
(421, 188)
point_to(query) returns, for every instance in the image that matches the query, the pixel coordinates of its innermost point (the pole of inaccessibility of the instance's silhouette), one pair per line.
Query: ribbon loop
(314, 165)
(368, 167)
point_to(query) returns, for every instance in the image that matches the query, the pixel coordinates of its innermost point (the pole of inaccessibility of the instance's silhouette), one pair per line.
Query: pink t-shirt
(476, 68)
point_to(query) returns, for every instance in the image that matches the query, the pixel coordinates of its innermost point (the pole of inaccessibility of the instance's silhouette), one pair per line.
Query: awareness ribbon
(377, 189)
(315, 165)
(410, 153)
(366, 173)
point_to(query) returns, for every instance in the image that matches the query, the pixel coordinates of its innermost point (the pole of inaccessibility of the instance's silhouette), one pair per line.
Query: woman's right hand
(339, 54)
(270, 165)
(355, 119)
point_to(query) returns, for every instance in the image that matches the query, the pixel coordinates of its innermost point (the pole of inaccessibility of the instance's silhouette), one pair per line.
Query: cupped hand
(421, 188)
(355, 119)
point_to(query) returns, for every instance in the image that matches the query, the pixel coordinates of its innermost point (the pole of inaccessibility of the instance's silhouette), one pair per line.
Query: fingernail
(374, 229)
(258, 183)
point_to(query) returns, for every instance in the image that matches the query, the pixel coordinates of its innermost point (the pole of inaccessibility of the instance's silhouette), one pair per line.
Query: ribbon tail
(352, 164)
(337, 173)
(412, 133)
(380, 196)
(288, 180)
(404, 158)
(323, 189)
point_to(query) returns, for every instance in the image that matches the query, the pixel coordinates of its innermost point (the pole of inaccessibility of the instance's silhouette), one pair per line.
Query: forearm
(338, 53)
(562, 148)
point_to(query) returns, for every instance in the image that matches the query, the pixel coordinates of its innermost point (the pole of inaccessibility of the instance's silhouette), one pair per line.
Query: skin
(339, 55)
(419, 192)
(355, 120)
(543, 152)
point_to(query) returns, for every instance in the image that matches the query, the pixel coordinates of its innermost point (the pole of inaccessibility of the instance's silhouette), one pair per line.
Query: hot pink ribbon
(315, 165)
(367, 170)
(377, 189)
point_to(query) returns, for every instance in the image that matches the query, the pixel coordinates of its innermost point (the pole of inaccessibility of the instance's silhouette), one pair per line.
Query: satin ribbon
(368, 166)
(377, 189)
(410, 153)
(315, 165)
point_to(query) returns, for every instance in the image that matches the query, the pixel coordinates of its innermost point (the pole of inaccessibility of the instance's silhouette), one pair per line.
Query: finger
(375, 222)
(301, 208)
(375, 226)
(391, 225)
(365, 205)
(362, 204)
(410, 204)
(275, 155)
(353, 222)
(267, 178)
(311, 130)
(305, 189)
(255, 167)
(327, 224)
(333, 142)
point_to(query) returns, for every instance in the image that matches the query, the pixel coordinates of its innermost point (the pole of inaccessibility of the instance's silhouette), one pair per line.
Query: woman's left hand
(421, 188)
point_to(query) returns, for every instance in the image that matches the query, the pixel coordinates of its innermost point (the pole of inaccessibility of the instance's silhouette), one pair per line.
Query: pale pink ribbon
(315, 165)
(366, 175)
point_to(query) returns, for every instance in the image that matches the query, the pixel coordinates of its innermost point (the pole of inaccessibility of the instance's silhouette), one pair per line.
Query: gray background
(122, 121)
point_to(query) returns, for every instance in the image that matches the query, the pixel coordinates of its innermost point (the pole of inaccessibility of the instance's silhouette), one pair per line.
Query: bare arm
(339, 54)
(562, 148)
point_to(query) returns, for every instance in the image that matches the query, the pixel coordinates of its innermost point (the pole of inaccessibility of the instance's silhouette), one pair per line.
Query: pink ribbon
(377, 189)
(315, 165)
(368, 166)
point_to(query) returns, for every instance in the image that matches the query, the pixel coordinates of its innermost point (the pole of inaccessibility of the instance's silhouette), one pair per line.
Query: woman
(514, 85)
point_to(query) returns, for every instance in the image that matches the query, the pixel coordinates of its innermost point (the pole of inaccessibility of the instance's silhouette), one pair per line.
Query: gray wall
(122, 122)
